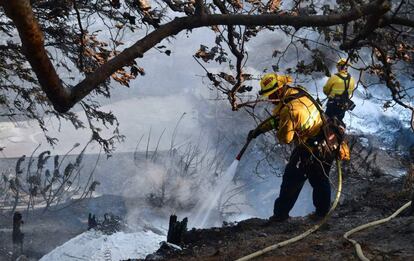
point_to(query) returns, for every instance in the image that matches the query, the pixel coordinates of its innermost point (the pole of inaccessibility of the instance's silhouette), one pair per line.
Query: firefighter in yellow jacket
(339, 89)
(297, 120)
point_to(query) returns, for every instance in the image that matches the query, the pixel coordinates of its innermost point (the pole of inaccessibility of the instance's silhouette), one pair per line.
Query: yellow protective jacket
(296, 120)
(335, 86)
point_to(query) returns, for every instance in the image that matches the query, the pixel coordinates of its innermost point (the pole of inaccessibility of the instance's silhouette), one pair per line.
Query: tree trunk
(17, 235)
(176, 230)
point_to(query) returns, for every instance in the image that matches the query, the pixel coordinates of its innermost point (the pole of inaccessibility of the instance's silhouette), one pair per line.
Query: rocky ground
(372, 190)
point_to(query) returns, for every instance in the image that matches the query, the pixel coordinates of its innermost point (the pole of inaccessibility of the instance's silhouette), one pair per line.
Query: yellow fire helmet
(342, 62)
(271, 82)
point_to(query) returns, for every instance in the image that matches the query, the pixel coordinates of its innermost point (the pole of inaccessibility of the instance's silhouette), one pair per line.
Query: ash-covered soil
(371, 191)
(375, 185)
(46, 231)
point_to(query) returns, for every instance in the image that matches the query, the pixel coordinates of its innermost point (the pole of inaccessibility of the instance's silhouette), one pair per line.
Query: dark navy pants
(304, 165)
(334, 110)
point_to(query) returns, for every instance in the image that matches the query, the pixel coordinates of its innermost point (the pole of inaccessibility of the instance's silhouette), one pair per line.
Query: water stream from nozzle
(211, 201)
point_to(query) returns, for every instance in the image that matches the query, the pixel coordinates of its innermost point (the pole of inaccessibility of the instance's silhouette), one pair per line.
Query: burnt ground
(371, 191)
(46, 231)
(374, 187)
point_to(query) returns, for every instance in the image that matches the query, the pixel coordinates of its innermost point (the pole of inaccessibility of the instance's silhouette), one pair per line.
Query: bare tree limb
(65, 98)
(389, 82)
(82, 34)
(399, 21)
(236, 52)
(199, 8)
(371, 24)
(398, 8)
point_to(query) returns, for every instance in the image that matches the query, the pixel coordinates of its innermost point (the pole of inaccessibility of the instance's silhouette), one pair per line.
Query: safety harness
(301, 93)
(343, 101)
(333, 130)
(347, 81)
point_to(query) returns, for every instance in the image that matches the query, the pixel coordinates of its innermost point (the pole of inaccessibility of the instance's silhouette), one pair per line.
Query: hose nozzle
(243, 149)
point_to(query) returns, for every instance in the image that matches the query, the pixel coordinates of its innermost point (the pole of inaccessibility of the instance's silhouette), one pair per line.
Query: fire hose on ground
(357, 246)
(307, 232)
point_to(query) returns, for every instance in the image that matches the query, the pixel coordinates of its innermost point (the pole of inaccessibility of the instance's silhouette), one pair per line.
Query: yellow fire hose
(357, 246)
(309, 231)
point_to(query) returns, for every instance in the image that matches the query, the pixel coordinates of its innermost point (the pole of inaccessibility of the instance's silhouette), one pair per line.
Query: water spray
(213, 197)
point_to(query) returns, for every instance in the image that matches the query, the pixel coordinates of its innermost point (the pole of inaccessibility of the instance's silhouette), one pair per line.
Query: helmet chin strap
(274, 96)
(342, 68)
(277, 95)
(281, 91)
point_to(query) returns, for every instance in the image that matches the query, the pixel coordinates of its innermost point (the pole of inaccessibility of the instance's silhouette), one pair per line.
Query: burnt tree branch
(399, 21)
(81, 36)
(199, 8)
(372, 23)
(236, 52)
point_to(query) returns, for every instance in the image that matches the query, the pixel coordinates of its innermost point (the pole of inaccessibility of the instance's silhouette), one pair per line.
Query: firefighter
(339, 89)
(297, 120)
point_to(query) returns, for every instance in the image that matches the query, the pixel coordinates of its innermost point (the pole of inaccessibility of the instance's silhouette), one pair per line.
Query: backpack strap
(303, 93)
(332, 129)
(295, 96)
(347, 81)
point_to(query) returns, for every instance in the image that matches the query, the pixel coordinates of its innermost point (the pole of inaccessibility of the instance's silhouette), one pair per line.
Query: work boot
(277, 219)
(316, 216)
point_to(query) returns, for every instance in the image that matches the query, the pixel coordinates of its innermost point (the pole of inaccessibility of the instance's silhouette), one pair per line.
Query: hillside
(368, 195)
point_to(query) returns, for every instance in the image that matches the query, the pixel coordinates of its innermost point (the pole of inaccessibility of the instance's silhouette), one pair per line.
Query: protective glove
(253, 134)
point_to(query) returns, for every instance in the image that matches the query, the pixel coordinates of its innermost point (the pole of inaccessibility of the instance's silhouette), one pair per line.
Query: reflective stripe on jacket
(335, 86)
